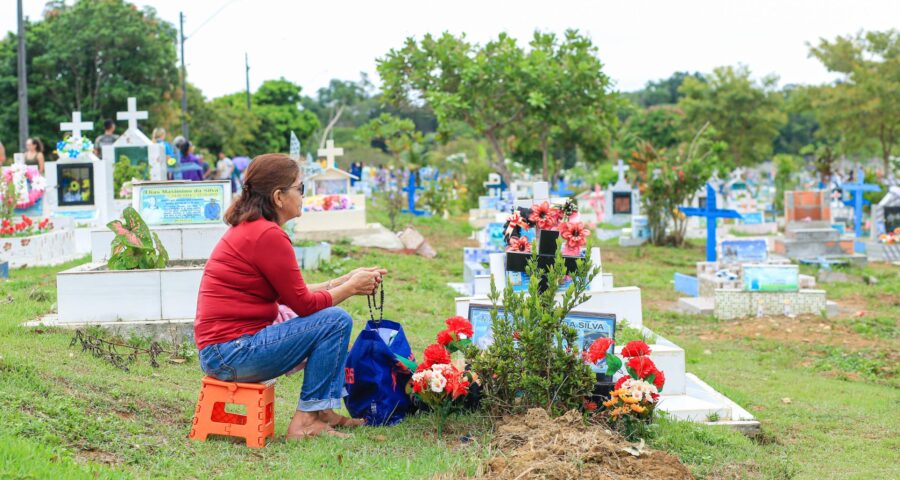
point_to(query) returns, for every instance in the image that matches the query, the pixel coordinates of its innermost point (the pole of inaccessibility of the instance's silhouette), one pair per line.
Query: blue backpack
(375, 375)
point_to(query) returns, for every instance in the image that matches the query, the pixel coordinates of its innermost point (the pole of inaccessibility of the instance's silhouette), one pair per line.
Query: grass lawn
(823, 389)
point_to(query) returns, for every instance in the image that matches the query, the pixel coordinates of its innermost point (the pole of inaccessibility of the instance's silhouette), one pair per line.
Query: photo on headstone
(331, 186)
(482, 327)
(891, 218)
(591, 326)
(737, 251)
(76, 185)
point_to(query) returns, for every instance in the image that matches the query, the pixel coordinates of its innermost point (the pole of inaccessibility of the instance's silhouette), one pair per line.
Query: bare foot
(308, 424)
(335, 419)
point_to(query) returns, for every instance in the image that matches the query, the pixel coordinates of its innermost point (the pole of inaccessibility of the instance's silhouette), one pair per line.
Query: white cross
(621, 168)
(76, 125)
(132, 115)
(329, 152)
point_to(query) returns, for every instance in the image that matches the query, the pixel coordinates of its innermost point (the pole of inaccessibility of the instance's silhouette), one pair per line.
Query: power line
(217, 12)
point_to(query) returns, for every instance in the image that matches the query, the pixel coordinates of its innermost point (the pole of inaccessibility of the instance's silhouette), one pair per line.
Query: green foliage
(135, 246)
(744, 114)
(88, 56)
(785, 168)
(670, 178)
(662, 126)
(437, 196)
(626, 333)
(534, 360)
(863, 107)
(124, 171)
(397, 135)
(663, 92)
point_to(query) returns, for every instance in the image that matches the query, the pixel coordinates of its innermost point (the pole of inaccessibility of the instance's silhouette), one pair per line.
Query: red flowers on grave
(434, 353)
(545, 216)
(519, 244)
(457, 335)
(575, 234)
(597, 350)
(23, 228)
(636, 393)
(515, 221)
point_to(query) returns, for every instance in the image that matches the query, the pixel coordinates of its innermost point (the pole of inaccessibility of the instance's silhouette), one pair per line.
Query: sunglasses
(300, 188)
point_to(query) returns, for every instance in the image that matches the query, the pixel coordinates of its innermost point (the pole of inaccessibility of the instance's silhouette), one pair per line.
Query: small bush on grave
(535, 359)
(123, 174)
(135, 246)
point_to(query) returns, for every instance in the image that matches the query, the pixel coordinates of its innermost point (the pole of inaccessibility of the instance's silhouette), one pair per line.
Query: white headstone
(329, 152)
(18, 159)
(132, 115)
(621, 168)
(76, 126)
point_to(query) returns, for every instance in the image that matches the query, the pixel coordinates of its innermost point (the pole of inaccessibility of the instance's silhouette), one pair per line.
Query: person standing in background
(109, 136)
(34, 153)
(159, 136)
(191, 166)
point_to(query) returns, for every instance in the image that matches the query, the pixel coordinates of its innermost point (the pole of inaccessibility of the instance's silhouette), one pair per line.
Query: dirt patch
(810, 329)
(97, 456)
(534, 446)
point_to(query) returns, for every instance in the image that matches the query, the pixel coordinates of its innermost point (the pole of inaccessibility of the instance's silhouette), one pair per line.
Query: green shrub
(135, 246)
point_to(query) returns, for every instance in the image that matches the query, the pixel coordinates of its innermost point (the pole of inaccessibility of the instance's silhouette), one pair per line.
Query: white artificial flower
(437, 383)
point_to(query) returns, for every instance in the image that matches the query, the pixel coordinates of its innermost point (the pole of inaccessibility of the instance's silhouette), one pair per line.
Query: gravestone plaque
(332, 186)
(739, 251)
(891, 218)
(771, 278)
(621, 203)
(75, 184)
(182, 203)
(590, 327)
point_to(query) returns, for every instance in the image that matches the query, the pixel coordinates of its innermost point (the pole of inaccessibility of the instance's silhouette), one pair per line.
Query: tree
(663, 92)
(277, 105)
(480, 86)
(745, 115)
(864, 104)
(801, 126)
(90, 56)
(662, 126)
(396, 135)
(568, 100)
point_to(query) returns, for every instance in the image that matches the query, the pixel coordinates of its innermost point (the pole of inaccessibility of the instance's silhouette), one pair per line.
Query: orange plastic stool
(210, 417)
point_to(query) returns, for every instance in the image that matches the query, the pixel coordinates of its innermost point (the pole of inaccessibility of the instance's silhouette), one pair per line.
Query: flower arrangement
(575, 235)
(23, 183)
(437, 382)
(24, 228)
(545, 216)
(890, 238)
(519, 244)
(73, 147)
(635, 395)
(327, 203)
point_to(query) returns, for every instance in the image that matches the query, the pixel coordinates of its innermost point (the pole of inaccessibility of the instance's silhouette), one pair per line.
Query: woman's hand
(364, 282)
(346, 277)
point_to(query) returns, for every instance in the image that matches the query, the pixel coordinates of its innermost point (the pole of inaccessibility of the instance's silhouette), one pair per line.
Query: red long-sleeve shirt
(250, 271)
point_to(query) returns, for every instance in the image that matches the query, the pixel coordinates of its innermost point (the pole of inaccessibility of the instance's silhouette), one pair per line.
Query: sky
(310, 43)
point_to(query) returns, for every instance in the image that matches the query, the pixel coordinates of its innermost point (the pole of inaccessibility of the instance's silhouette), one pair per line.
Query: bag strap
(376, 304)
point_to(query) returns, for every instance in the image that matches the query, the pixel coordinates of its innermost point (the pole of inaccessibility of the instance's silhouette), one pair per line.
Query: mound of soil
(535, 446)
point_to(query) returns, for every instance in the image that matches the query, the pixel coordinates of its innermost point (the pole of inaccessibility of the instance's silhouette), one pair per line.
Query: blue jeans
(321, 339)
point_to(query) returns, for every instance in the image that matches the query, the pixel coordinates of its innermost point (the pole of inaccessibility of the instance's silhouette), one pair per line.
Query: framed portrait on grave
(891, 218)
(621, 203)
(590, 326)
(332, 186)
(75, 184)
(701, 203)
(738, 251)
(482, 326)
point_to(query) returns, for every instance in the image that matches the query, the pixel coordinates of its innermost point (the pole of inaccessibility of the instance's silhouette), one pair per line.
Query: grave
(711, 213)
(882, 245)
(52, 247)
(685, 397)
(328, 206)
(622, 201)
(809, 234)
(145, 158)
(187, 216)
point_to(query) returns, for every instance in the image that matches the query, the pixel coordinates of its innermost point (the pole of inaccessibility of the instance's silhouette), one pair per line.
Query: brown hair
(266, 174)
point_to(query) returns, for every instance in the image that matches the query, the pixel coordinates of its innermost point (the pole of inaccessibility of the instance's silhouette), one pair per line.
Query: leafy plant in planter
(135, 246)
(535, 360)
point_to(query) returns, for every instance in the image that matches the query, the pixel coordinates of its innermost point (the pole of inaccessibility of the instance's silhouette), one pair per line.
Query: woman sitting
(249, 273)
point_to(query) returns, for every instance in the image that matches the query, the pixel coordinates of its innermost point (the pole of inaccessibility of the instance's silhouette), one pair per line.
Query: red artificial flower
(575, 234)
(642, 366)
(517, 336)
(590, 406)
(5, 223)
(621, 382)
(659, 380)
(417, 387)
(544, 216)
(460, 326)
(519, 244)
(456, 385)
(436, 353)
(444, 337)
(597, 350)
(635, 348)
(27, 221)
(516, 220)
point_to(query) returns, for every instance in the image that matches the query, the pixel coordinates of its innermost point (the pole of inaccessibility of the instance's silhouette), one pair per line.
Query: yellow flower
(627, 399)
(638, 408)
(610, 402)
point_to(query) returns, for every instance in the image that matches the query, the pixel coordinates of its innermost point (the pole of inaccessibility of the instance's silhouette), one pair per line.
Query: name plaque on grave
(621, 203)
(590, 327)
(771, 278)
(738, 251)
(182, 203)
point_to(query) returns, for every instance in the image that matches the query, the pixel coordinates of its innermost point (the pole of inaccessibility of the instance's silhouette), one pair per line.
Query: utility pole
(23, 83)
(247, 76)
(184, 125)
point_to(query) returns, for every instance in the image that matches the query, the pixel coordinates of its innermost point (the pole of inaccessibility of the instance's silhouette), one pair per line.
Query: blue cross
(411, 195)
(562, 190)
(711, 214)
(856, 189)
